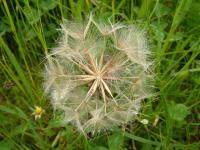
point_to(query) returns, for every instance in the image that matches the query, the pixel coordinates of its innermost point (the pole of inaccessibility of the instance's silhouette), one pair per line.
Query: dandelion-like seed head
(97, 75)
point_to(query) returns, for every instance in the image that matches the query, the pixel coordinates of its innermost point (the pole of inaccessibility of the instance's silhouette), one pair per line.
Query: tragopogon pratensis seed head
(97, 75)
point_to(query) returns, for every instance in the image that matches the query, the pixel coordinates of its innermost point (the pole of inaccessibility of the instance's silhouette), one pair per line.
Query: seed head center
(98, 76)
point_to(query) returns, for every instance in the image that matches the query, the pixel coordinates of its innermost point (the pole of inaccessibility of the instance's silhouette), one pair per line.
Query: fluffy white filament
(97, 75)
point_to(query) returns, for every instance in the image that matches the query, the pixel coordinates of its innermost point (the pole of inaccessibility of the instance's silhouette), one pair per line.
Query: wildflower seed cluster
(97, 75)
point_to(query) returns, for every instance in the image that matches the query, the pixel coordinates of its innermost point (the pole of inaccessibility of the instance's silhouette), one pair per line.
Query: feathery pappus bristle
(97, 75)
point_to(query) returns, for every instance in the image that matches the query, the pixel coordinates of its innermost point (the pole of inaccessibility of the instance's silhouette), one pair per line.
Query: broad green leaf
(47, 5)
(162, 10)
(50, 30)
(97, 148)
(56, 123)
(178, 112)
(6, 145)
(177, 36)
(20, 129)
(150, 147)
(159, 30)
(115, 141)
(32, 15)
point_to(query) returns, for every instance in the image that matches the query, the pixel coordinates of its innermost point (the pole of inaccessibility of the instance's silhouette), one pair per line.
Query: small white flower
(144, 121)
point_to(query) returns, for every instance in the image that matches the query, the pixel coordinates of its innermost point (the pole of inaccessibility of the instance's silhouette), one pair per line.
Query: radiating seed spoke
(89, 93)
(104, 97)
(93, 64)
(84, 67)
(92, 90)
(119, 78)
(108, 90)
(101, 60)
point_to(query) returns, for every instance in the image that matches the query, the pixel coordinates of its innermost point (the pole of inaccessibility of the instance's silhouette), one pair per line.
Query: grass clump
(28, 32)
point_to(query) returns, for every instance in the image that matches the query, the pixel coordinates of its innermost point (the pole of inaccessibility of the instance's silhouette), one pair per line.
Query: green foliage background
(28, 30)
